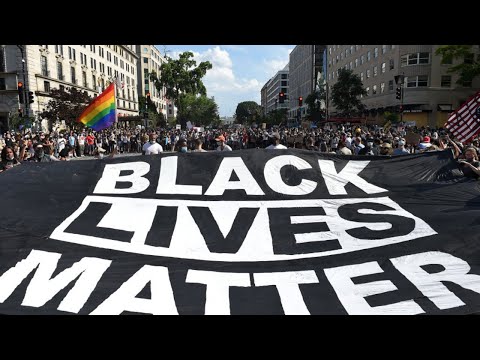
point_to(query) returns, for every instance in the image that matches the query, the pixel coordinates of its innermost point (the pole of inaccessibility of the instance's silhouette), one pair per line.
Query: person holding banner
(470, 165)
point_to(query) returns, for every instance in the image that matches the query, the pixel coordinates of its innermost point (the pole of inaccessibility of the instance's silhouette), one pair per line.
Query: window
(59, 49)
(361, 76)
(369, 56)
(362, 59)
(390, 85)
(384, 49)
(84, 78)
(2, 84)
(415, 59)
(374, 90)
(46, 86)
(70, 53)
(341, 56)
(121, 64)
(351, 65)
(392, 64)
(128, 93)
(284, 83)
(123, 103)
(375, 72)
(103, 84)
(368, 91)
(44, 65)
(94, 82)
(118, 103)
(446, 81)
(73, 76)
(60, 70)
(382, 88)
(115, 60)
(109, 56)
(73, 55)
(417, 81)
(383, 68)
(62, 88)
(368, 73)
(346, 52)
(351, 49)
(284, 76)
(356, 62)
(375, 52)
(284, 90)
(357, 47)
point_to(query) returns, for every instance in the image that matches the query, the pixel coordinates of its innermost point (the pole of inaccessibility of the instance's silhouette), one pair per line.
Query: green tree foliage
(468, 69)
(314, 103)
(346, 93)
(391, 117)
(66, 105)
(181, 76)
(199, 110)
(15, 120)
(144, 103)
(247, 112)
(276, 117)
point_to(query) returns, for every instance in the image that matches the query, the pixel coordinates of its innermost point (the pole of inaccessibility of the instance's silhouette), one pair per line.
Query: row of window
(354, 48)
(353, 65)
(72, 55)
(115, 74)
(47, 88)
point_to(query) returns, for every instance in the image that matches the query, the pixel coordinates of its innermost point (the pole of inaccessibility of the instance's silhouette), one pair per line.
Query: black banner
(248, 232)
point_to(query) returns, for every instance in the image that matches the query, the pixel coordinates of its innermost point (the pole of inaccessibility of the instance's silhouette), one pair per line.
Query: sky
(239, 71)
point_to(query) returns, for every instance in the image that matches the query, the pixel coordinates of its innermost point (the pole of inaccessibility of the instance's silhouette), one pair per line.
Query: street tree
(181, 76)
(66, 104)
(199, 110)
(276, 117)
(247, 112)
(468, 69)
(346, 93)
(314, 103)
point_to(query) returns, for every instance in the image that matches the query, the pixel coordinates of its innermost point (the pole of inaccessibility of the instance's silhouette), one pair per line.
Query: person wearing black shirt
(470, 165)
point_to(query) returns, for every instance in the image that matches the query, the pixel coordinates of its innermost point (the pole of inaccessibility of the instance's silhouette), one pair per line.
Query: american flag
(464, 123)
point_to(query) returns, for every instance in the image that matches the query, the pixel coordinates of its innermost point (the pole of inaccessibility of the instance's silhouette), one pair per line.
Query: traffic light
(20, 92)
(399, 93)
(281, 97)
(300, 101)
(30, 97)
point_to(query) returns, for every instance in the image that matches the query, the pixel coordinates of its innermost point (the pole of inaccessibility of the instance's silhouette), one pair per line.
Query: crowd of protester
(17, 147)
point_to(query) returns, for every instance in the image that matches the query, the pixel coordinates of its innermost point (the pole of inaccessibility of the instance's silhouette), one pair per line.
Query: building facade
(306, 70)
(263, 98)
(150, 60)
(430, 93)
(276, 85)
(88, 68)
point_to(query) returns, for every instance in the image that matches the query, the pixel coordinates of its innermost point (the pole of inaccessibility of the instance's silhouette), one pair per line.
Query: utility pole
(25, 86)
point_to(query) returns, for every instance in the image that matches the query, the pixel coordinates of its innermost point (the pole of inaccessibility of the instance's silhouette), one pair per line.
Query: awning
(444, 107)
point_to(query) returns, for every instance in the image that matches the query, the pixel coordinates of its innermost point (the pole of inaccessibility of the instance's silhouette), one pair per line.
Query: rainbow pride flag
(101, 113)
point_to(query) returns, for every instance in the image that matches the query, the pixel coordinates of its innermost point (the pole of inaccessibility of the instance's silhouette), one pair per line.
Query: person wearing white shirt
(152, 147)
(276, 143)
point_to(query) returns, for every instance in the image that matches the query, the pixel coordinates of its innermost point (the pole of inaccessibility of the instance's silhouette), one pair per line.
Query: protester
(152, 147)
(470, 165)
(198, 146)
(276, 143)
(221, 144)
